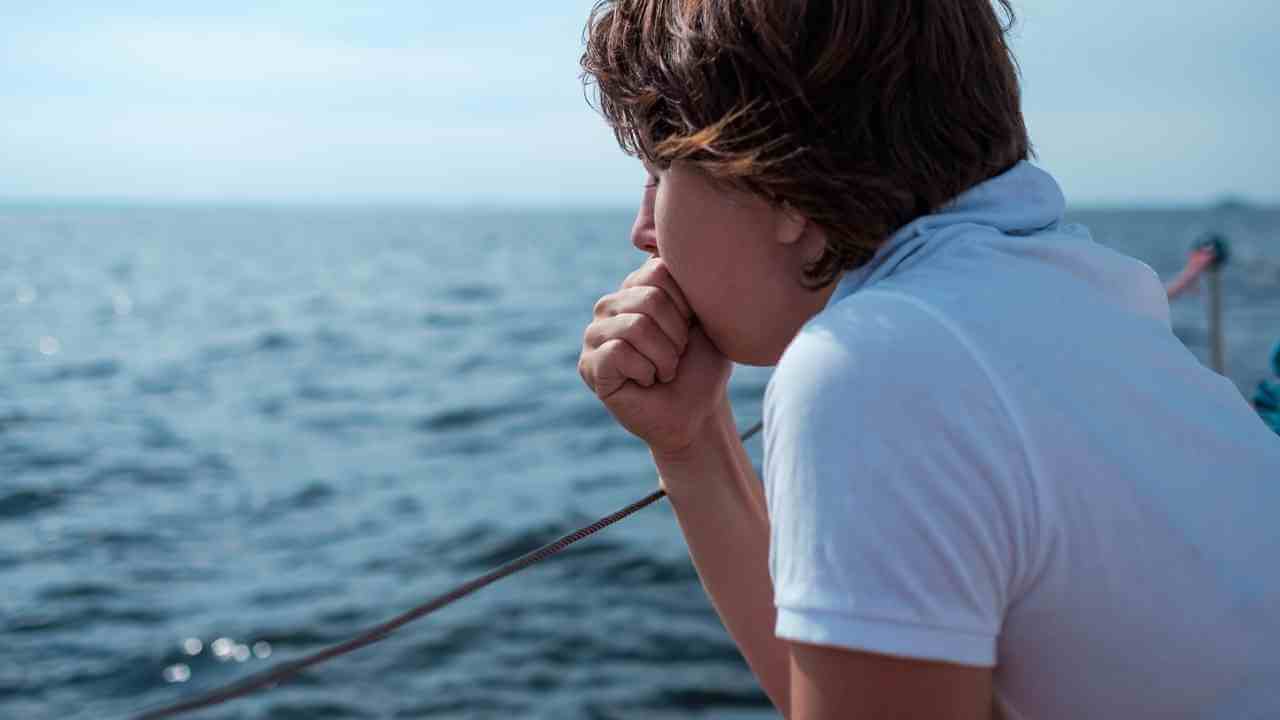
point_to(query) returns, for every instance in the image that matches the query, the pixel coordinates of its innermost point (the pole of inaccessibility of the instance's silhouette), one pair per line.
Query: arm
(830, 683)
(720, 508)
(666, 382)
(721, 511)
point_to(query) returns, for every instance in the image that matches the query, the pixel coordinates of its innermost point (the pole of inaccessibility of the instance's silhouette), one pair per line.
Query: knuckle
(644, 332)
(602, 306)
(652, 297)
(668, 368)
(642, 274)
(643, 374)
(654, 329)
(638, 326)
(643, 329)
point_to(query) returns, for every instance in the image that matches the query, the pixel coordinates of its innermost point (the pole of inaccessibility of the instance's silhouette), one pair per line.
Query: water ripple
(470, 416)
(15, 419)
(96, 370)
(28, 501)
(140, 474)
(474, 293)
(82, 618)
(310, 709)
(79, 591)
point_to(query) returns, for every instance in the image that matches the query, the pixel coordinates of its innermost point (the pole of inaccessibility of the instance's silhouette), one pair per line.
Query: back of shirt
(991, 449)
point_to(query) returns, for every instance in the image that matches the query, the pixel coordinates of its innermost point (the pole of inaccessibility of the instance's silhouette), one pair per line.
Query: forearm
(721, 511)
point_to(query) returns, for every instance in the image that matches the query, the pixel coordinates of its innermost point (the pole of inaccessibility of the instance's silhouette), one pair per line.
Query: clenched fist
(649, 362)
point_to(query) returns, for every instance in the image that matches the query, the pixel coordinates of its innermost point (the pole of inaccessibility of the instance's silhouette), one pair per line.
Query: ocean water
(231, 436)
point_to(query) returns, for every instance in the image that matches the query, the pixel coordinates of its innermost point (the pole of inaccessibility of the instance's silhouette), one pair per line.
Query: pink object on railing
(1199, 261)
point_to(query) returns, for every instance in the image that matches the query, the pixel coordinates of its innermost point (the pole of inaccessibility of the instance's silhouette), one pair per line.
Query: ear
(792, 225)
(799, 231)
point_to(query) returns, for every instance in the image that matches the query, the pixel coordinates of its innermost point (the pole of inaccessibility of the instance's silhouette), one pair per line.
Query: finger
(652, 302)
(655, 272)
(644, 334)
(585, 368)
(614, 363)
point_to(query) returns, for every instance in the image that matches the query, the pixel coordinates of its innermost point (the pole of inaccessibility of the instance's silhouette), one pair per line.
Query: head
(800, 133)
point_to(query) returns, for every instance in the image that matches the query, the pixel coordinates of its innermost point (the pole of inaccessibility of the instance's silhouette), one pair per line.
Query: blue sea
(231, 436)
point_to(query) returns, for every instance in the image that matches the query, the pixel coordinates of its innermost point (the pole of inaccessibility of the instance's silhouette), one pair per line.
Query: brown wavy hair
(860, 114)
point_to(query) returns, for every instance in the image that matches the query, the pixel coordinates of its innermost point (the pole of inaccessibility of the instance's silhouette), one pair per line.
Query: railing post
(1217, 350)
(1217, 340)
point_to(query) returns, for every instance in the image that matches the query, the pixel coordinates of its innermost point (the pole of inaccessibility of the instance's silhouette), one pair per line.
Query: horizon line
(1225, 202)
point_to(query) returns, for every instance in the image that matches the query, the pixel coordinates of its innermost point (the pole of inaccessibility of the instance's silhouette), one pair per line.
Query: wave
(471, 416)
(18, 504)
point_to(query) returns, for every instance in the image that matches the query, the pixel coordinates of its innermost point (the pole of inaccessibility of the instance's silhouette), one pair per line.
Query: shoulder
(877, 348)
(892, 478)
(886, 383)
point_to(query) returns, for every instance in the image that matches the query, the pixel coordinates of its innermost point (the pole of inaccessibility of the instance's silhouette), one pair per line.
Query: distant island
(1233, 202)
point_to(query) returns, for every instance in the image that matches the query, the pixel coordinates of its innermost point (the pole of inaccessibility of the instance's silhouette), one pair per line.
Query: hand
(650, 364)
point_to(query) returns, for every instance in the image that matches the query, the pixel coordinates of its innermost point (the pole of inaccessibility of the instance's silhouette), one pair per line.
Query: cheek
(679, 246)
(705, 251)
(705, 276)
(713, 249)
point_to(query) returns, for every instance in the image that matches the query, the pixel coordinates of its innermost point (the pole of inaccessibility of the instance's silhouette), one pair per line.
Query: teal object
(1267, 399)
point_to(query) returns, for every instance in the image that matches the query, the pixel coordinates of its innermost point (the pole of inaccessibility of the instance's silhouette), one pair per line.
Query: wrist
(715, 429)
(712, 463)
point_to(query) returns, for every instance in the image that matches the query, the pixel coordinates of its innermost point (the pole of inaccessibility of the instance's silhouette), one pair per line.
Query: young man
(995, 482)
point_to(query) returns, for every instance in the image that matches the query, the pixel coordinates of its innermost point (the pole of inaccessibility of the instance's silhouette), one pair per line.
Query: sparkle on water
(49, 345)
(224, 649)
(26, 294)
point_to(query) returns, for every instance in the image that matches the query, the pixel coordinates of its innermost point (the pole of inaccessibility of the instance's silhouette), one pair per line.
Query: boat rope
(280, 672)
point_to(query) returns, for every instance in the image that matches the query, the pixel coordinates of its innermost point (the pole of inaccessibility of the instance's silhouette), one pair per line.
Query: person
(994, 480)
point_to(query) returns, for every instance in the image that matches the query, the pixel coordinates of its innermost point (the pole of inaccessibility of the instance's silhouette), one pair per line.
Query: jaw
(756, 346)
(760, 337)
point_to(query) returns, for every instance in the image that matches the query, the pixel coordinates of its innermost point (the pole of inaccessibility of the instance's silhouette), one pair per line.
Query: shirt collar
(1020, 201)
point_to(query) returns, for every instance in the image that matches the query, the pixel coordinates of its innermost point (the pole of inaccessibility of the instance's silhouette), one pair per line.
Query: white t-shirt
(990, 449)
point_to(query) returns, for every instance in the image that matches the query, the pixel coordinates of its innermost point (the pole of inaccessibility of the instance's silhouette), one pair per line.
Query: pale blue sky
(1144, 101)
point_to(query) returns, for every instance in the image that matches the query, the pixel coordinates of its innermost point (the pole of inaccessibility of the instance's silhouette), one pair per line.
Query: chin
(746, 352)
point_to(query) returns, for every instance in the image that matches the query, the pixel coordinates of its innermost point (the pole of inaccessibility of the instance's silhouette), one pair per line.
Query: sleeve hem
(884, 637)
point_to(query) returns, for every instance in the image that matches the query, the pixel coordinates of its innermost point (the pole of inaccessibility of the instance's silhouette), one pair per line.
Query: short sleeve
(893, 480)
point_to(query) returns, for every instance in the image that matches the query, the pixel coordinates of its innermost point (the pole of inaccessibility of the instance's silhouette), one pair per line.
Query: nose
(644, 235)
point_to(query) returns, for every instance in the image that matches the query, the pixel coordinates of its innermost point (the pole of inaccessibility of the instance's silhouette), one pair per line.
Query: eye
(652, 182)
